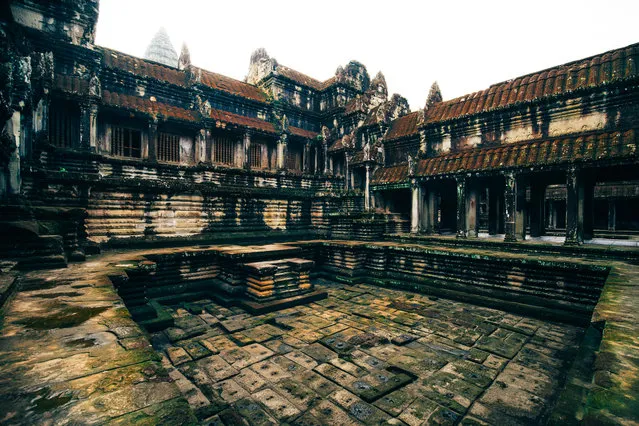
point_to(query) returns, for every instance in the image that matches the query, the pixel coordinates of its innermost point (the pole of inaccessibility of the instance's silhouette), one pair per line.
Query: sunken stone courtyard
(178, 247)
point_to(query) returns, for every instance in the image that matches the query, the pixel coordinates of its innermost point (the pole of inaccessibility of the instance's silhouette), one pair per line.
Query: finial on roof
(161, 49)
(185, 58)
(434, 96)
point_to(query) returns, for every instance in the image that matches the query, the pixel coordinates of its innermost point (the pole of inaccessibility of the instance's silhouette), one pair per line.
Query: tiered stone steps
(268, 280)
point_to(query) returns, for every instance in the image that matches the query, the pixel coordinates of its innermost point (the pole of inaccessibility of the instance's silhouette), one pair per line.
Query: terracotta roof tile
(308, 134)
(300, 78)
(589, 72)
(231, 85)
(340, 144)
(403, 127)
(390, 175)
(148, 107)
(602, 146)
(142, 67)
(243, 121)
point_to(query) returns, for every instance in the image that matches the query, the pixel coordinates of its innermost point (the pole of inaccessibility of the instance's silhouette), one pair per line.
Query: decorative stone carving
(95, 87)
(261, 66)
(411, 166)
(204, 106)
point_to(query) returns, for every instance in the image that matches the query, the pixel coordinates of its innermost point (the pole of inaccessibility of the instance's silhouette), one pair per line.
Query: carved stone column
(201, 139)
(574, 207)
(415, 207)
(246, 149)
(281, 152)
(347, 173)
(93, 128)
(152, 152)
(367, 188)
(306, 156)
(85, 126)
(325, 156)
(461, 206)
(509, 207)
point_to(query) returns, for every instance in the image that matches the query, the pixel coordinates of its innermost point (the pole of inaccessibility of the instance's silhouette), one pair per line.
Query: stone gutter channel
(70, 351)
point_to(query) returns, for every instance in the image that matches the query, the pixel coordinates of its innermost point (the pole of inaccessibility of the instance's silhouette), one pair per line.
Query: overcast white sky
(465, 45)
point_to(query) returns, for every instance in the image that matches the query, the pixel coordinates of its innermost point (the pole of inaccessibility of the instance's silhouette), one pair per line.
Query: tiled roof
(389, 175)
(342, 143)
(146, 106)
(308, 134)
(328, 83)
(71, 84)
(300, 78)
(403, 127)
(597, 70)
(230, 85)
(142, 67)
(240, 120)
(594, 147)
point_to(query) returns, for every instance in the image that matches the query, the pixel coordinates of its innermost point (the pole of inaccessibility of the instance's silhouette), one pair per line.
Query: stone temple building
(181, 247)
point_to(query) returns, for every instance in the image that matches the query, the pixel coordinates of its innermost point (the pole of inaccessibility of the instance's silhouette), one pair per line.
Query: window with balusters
(64, 124)
(224, 150)
(169, 148)
(126, 142)
(256, 155)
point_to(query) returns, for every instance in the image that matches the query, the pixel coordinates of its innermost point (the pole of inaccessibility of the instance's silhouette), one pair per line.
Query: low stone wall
(556, 290)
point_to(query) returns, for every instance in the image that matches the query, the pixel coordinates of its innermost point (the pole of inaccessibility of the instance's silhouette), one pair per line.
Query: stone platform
(71, 354)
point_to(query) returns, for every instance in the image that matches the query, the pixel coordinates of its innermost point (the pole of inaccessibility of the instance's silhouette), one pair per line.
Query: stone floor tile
(178, 355)
(280, 407)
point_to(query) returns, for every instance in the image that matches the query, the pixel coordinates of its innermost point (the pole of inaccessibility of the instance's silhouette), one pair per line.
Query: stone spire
(161, 49)
(185, 57)
(378, 90)
(434, 96)
(261, 65)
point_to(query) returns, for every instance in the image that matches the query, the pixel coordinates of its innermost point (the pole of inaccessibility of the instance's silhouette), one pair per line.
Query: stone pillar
(315, 159)
(325, 155)
(200, 146)
(428, 214)
(41, 114)
(246, 149)
(612, 214)
(281, 152)
(472, 221)
(152, 152)
(13, 181)
(574, 207)
(510, 188)
(461, 207)
(520, 209)
(93, 127)
(306, 156)
(347, 174)
(414, 211)
(367, 188)
(85, 126)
